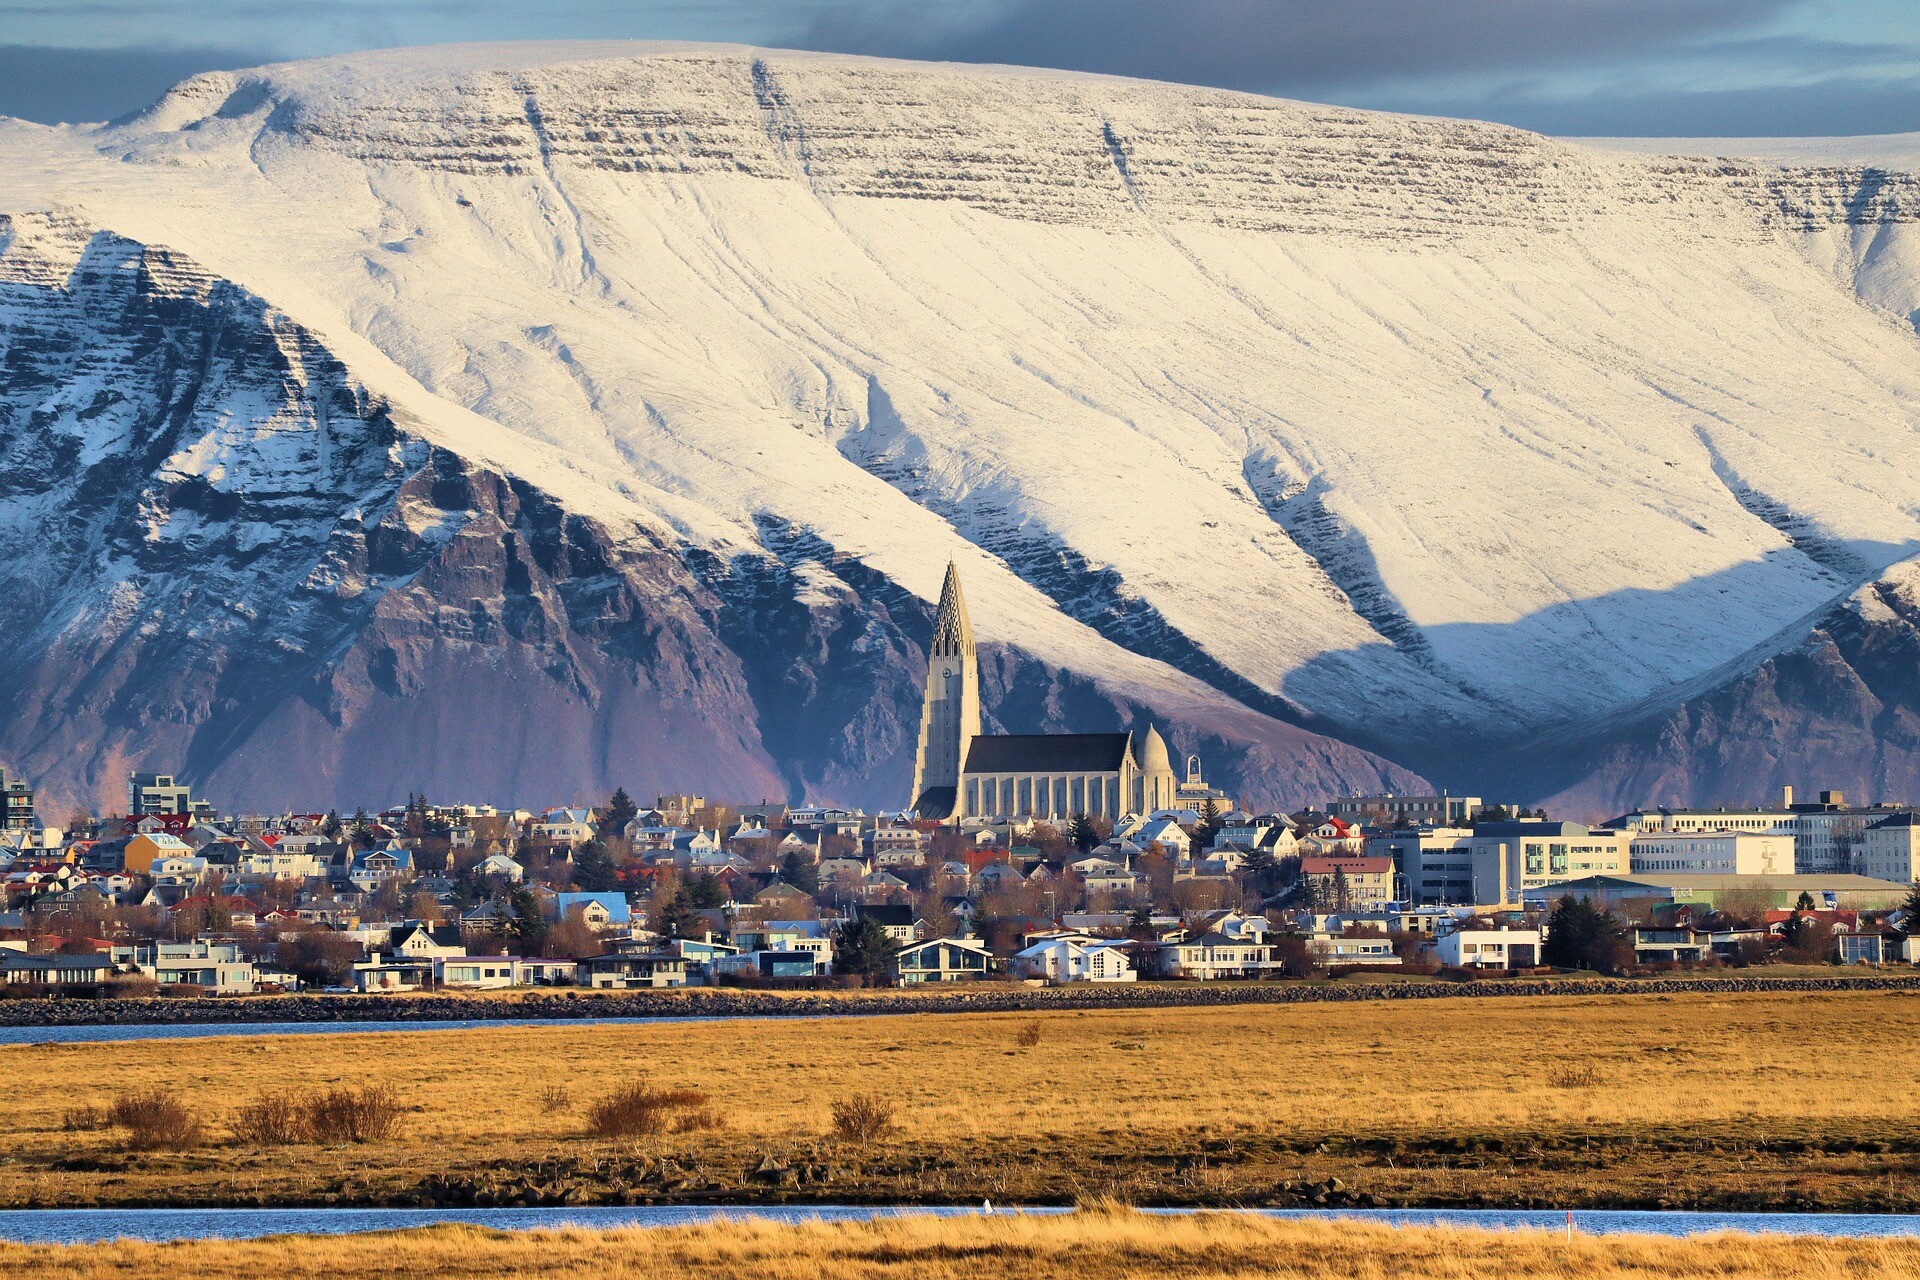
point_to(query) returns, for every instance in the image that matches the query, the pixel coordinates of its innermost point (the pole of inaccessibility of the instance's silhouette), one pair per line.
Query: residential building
(16, 804)
(1362, 880)
(54, 970)
(215, 968)
(941, 960)
(569, 827)
(628, 970)
(1067, 959)
(605, 910)
(896, 918)
(1334, 949)
(1478, 948)
(161, 793)
(1210, 955)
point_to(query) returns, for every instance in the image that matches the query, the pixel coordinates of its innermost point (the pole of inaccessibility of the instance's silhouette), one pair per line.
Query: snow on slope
(1435, 430)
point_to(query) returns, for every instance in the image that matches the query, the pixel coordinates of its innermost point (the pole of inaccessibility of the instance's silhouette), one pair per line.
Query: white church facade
(961, 773)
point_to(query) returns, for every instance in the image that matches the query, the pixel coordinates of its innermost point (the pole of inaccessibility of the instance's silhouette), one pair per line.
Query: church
(960, 773)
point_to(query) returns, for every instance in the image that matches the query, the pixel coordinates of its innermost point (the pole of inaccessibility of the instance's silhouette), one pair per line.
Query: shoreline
(728, 1003)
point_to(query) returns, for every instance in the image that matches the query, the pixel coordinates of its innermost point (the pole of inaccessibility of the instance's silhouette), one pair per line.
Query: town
(176, 897)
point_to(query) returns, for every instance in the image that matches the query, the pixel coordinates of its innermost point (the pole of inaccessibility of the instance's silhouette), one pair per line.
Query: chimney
(1786, 797)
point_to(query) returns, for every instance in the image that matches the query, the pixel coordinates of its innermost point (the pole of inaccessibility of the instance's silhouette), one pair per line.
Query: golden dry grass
(1747, 1064)
(1095, 1245)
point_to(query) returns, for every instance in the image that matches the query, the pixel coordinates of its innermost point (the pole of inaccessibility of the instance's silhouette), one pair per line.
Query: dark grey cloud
(1289, 46)
(53, 85)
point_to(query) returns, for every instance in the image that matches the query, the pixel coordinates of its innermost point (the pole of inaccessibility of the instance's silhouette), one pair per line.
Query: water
(78, 1226)
(201, 1030)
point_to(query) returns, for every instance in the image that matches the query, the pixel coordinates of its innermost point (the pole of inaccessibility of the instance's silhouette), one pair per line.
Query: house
(415, 940)
(501, 866)
(1166, 833)
(941, 960)
(569, 827)
(213, 968)
(1211, 955)
(1682, 945)
(372, 868)
(1361, 879)
(144, 848)
(476, 972)
(393, 976)
(54, 970)
(1863, 948)
(1334, 949)
(1067, 959)
(628, 970)
(1481, 948)
(896, 918)
(789, 902)
(606, 910)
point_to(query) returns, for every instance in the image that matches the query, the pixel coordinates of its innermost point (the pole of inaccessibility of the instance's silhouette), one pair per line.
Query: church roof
(1047, 753)
(936, 803)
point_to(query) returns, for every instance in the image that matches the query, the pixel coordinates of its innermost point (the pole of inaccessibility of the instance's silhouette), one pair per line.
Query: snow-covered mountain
(525, 416)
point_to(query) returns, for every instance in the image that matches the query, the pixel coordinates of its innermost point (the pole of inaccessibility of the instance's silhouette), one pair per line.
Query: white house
(1210, 955)
(499, 864)
(1489, 948)
(571, 827)
(1073, 960)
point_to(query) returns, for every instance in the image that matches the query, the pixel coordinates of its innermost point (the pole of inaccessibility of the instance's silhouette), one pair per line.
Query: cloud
(1288, 46)
(1827, 108)
(55, 85)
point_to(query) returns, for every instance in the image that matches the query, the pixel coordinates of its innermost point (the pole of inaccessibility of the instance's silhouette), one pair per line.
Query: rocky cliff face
(223, 555)
(1840, 710)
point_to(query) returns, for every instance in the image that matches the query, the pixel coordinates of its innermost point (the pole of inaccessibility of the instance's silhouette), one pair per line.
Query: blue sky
(1739, 67)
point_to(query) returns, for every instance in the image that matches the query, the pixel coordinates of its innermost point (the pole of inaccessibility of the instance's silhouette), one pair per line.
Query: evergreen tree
(1082, 833)
(1805, 902)
(861, 947)
(672, 913)
(1911, 909)
(800, 873)
(706, 893)
(524, 926)
(1580, 936)
(1209, 826)
(593, 868)
(620, 811)
(1342, 892)
(331, 828)
(1259, 868)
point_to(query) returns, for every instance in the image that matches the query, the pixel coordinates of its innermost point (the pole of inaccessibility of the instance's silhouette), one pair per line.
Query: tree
(593, 868)
(620, 811)
(862, 947)
(1082, 833)
(524, 926)
(1805, 902)
(1342, 892)
(706, 893)
(331, 828)
(1260, 869)
(1580, 936)
(800, 873)
(672, 915)
(1910, 909)
(1209, 825)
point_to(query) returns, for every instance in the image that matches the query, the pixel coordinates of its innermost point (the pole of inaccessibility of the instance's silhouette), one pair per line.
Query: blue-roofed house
(597, 910)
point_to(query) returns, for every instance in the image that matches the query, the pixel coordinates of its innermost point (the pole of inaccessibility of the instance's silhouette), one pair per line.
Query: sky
(1750, 68)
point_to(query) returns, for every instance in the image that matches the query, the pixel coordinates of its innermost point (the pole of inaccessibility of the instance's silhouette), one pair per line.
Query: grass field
(1096, 1245)
(1743, 1100)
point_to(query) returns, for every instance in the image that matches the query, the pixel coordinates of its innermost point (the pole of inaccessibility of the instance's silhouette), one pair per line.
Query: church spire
(950, 714)
(952, 631)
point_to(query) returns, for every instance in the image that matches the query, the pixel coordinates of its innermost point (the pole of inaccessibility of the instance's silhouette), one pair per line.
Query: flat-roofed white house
(1489, 948)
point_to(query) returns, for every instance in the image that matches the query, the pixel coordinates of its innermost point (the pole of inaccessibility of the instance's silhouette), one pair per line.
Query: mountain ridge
(1427, 434)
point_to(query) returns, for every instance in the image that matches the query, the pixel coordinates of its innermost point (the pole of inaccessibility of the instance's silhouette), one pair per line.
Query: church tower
(950, 716)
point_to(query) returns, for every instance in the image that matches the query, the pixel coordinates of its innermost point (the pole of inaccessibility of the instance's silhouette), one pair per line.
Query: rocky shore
(983, 998)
